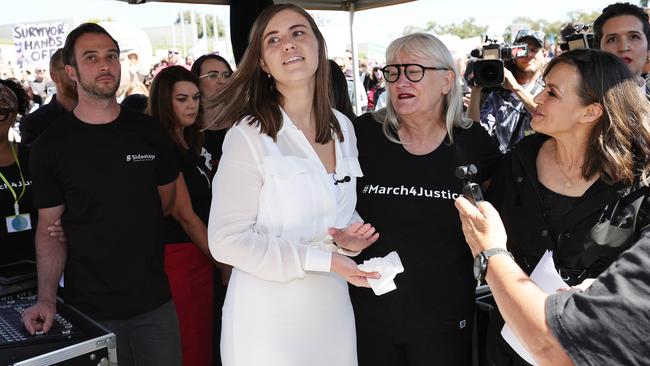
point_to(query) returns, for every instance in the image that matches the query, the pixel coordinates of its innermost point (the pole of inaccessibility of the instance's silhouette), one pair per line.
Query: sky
(377, 26)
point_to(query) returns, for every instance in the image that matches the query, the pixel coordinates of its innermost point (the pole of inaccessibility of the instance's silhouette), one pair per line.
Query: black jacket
(603, 223)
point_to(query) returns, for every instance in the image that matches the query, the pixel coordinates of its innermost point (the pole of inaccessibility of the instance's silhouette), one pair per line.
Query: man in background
(65, 99)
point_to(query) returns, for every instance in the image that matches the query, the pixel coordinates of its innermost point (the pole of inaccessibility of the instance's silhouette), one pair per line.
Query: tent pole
(183, 31)
(355, 62)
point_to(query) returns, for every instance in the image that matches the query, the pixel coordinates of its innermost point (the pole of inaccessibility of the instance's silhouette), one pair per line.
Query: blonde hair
(426, 46)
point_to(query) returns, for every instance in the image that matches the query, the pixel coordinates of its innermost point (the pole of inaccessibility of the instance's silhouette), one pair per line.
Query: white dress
(272, 205)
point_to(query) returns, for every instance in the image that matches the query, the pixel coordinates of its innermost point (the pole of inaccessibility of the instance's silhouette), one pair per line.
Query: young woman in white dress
(283, 203)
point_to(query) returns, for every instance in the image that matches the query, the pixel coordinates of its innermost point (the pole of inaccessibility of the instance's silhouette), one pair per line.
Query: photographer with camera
(506, 112)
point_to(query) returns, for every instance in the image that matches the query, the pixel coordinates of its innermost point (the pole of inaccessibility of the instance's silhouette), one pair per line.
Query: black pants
(397, 348)
(152, 338)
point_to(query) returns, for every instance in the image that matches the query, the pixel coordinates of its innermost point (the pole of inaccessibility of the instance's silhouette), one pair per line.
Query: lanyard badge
(18, 222)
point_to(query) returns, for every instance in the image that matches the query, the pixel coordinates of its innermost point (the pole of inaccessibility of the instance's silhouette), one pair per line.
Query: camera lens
(488, 73)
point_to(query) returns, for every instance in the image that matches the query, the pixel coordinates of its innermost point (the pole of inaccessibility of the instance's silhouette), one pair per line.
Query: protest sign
(36, 42)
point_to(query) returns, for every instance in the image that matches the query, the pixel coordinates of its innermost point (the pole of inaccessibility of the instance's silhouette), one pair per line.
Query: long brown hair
(619, 143)
(251, 93)
(160, 105)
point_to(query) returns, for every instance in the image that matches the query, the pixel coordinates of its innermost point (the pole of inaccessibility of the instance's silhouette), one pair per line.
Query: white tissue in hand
(388, 267)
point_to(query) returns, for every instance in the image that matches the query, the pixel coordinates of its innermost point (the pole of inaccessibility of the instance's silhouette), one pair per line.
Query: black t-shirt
(213, 144)
(107, 177)
(17, 245)
(608, 323)
(196, 173)
(33, 124)
(410, 201)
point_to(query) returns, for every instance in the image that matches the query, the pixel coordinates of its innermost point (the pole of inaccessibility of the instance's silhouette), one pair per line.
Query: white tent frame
(351, 6)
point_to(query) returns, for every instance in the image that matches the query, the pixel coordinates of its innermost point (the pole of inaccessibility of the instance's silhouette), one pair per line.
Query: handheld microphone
(471, 191)
(342, 180)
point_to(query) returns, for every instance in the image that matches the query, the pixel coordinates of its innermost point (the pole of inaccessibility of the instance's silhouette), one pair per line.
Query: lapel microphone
(342, 180)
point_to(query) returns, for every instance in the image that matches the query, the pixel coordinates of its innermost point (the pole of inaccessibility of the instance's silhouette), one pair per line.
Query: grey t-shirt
(609, 324)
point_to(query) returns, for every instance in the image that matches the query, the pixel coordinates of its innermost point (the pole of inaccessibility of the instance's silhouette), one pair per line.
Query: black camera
(471, 191)
(487, 71)
(580, 38)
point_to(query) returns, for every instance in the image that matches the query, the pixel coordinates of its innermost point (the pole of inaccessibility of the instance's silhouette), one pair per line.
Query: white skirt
(306, 321)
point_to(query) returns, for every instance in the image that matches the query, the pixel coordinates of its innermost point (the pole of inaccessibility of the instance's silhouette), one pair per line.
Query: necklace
(569, 182)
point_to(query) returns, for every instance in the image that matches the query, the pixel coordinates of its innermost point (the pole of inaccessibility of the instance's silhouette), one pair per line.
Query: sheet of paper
(546, 277)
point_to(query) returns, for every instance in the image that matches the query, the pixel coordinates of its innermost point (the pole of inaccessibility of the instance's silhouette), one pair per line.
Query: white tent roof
(350, 6)
(307, 4)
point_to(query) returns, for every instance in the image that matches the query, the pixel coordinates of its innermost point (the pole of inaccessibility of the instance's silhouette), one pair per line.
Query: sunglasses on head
(214, 75)
(173, 52)
(530, 33)
(5, 112)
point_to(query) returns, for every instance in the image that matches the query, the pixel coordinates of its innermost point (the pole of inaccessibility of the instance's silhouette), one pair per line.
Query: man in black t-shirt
(108, 174)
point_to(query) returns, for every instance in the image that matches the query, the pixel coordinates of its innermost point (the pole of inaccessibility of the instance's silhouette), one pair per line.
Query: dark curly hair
(21, 95)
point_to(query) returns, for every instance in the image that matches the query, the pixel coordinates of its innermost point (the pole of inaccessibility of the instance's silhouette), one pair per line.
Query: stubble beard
(96, 91)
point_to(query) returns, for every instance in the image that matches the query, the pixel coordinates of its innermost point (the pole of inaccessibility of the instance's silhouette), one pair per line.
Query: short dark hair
(196, 66)
(71, 40)
(56, 59)
(616, 10)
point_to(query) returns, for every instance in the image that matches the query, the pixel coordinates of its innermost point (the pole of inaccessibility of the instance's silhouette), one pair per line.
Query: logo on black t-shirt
(410, 191)
(140, 157)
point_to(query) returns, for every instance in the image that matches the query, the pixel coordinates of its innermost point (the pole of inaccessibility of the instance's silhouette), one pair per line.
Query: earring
(268, 75)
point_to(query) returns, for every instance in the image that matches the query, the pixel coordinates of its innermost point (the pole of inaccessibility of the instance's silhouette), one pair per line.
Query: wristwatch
(481, 261)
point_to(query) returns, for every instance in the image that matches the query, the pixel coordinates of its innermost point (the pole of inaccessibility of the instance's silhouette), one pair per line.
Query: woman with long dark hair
(213, 72)
(174, 101)
(578, 187)
(285, 181)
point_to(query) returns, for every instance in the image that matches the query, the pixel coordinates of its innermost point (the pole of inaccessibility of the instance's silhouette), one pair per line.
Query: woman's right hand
(348, 269)
(56, 231)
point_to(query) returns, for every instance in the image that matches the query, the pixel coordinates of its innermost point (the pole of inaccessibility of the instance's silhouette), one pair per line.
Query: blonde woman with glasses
(409, 152)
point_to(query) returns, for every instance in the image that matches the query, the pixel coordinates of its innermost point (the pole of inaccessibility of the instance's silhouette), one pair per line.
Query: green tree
(466, 29)
(412, 29)
(99, 20)
(551, 28)
(198, 17)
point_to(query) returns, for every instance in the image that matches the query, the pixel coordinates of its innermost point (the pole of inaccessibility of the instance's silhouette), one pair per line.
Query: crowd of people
(219, 217)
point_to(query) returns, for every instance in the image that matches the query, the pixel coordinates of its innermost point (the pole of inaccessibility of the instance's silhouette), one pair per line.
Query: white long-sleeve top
(273, 202)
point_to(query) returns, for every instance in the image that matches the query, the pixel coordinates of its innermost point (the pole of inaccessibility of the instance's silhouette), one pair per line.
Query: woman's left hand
(355, 237)
(56, 231)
